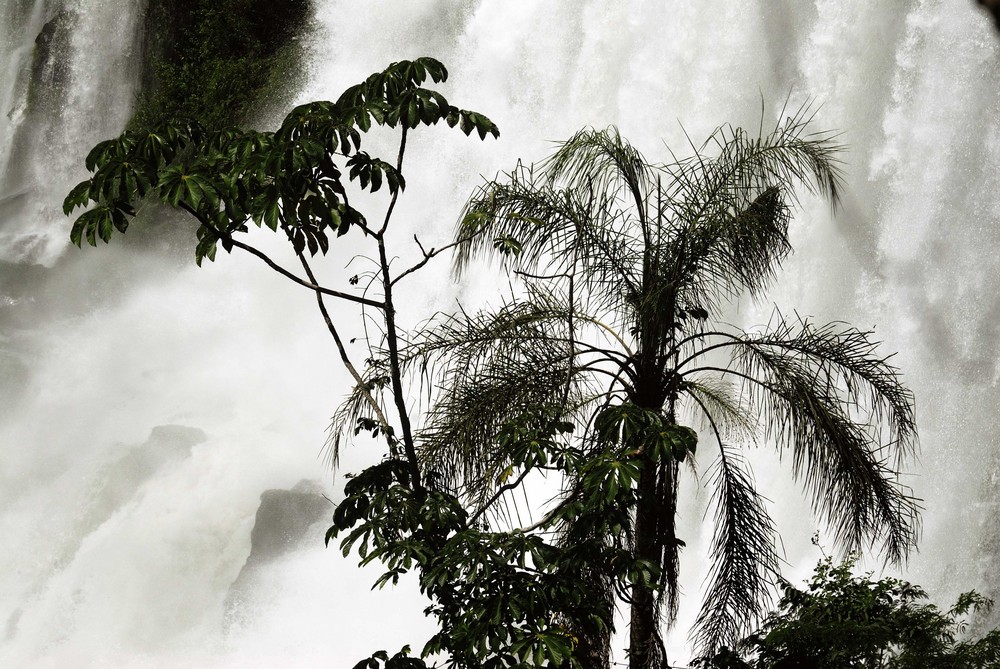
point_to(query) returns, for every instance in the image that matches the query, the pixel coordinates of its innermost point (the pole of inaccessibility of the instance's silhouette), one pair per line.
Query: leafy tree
(291, 181)
(842, 620)
(625, 266)
(503, 599)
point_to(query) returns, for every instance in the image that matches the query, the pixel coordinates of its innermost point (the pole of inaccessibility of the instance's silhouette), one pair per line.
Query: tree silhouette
(625, 265)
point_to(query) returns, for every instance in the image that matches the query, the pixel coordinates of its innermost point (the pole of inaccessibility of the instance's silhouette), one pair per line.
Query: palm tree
(626, 265)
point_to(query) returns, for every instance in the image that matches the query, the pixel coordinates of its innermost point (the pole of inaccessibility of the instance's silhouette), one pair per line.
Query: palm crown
(625, 266)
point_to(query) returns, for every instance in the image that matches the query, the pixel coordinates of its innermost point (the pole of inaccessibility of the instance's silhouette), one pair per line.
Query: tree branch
(433, 252)
(395, 193)
(276, 267)
(312, 286)
(392, 341)
(365, 392)
(500, 491)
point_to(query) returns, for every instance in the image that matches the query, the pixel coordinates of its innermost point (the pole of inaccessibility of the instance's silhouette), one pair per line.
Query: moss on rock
(218, 61)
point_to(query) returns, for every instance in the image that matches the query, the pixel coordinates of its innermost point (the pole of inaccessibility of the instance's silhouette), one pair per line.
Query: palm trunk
(645, 648)
(656, 503)
(654, 531)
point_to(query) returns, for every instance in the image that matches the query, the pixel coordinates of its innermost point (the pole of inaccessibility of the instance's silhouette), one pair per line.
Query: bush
(842, 620)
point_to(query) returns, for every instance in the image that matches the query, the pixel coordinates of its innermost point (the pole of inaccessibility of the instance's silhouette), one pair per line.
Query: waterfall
(71, 73)
(146, 404)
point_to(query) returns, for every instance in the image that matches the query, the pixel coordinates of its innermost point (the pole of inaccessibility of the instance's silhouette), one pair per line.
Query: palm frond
(563, 229)
(740, 248)
(730, 213)
(344, 422)
(459, 440)
(458, 341)
(492, 368)
(848, 360)
(582, 210)
(668, 596)
(744, 561)
(722, 409)
(602, 161)
(805, 394)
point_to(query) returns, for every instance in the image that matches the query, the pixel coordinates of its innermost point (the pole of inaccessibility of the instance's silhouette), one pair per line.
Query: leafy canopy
(842, 620)
(292, 178)
(502, 598)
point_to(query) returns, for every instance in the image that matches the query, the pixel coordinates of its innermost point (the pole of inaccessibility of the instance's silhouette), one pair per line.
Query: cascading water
(71, 72)
(145, 404)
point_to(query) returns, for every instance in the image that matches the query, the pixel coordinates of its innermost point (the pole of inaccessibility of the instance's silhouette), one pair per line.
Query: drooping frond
(344, 422)
(791, 153)
(868, 382)
(581, 211)
(459, 440)
(668, 596)
(743, 557)
(817, 390)
(731, 210)
(732, 250)
(458, 341)
(492, 369)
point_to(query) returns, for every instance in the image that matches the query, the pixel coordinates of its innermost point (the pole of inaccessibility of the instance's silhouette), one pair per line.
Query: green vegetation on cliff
(218, 61)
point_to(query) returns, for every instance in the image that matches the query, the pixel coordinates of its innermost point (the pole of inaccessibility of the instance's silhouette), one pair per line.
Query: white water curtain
(106, 344)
